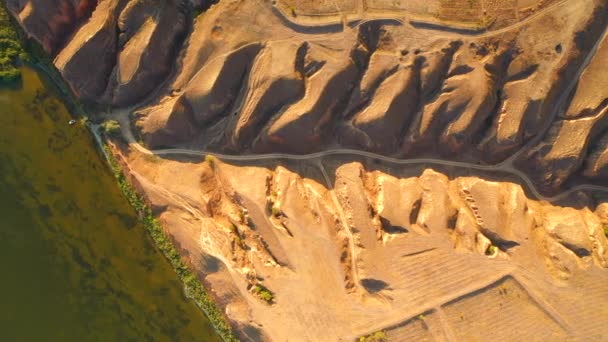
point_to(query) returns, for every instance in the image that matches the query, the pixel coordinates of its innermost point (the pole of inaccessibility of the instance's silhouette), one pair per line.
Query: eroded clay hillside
(484, 81)
(350, 247)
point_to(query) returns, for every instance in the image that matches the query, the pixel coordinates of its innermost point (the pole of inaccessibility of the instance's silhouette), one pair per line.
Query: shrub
(275, 210)
(111, 128)
(10, 75)
(210, 159)
(263, 293)
(378, 336)
(491, 250)
(11, 50)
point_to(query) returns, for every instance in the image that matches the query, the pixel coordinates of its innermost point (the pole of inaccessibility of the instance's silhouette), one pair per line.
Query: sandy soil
(351, 248)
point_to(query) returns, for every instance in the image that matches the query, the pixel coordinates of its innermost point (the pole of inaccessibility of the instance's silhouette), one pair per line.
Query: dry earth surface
(351, 247)
(248, 77)
(507, 101)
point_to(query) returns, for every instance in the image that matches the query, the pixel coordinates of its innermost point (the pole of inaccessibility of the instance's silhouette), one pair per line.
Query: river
(76, 265)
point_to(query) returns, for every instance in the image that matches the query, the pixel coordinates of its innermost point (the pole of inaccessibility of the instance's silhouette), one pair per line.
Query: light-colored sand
(502, 311)
(371, 251)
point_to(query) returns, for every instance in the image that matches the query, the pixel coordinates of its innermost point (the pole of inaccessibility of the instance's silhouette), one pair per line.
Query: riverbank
(79, 266)
(191, 283)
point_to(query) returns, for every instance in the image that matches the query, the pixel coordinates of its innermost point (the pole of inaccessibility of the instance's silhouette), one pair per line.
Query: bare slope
(418, 253)
(249, 77)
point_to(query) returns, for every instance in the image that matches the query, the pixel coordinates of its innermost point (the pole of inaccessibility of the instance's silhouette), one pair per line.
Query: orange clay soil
(350, 247)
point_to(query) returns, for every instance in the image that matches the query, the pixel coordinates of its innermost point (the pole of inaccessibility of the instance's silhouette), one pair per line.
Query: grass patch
(378, 336)
(194, 288)
(263, 293)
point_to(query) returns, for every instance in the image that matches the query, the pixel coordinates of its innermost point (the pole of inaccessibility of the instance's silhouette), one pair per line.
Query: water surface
(76, 265)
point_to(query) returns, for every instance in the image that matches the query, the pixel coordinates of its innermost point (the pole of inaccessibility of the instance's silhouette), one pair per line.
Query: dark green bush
(12, 53)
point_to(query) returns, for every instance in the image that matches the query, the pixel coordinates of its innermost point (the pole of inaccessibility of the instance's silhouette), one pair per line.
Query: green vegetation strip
(11, 52)
(193, 286)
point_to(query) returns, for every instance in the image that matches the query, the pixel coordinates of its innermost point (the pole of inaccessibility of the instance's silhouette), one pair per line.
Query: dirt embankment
(350, 248)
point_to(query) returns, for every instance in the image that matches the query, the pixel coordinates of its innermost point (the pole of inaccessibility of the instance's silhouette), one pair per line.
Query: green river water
(76, 265)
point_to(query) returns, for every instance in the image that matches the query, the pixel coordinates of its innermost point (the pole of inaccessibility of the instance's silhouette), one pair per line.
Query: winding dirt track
(416, 161)
(403, 20)
(505, 166)
(122, 118)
